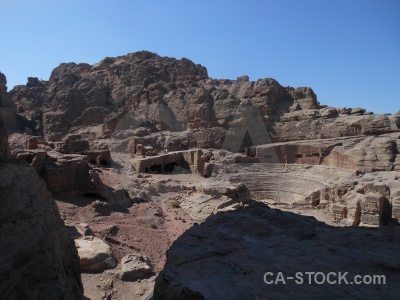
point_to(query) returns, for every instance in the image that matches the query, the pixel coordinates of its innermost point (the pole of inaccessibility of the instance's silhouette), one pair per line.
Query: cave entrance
(104, 162)
(156, 168)
(96, 196)
(169, 167)
(247, 142)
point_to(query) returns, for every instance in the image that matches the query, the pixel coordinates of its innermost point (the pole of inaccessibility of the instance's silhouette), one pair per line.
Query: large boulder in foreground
(38, 259)
(227, 256)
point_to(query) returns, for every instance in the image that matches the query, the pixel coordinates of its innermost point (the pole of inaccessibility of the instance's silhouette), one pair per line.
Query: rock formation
(135, 266)
(95, 255)
(227, 257)
(38, 259)
(172, 104)
(7, 107)
(4, 150)
(3, 84)
(174, 95)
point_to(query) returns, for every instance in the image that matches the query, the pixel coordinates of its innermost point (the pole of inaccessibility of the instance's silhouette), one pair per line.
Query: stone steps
(289, 183)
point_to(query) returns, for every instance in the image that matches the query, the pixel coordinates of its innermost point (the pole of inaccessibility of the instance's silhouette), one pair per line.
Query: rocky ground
(165, 205)
(148, 227)
(151, 226)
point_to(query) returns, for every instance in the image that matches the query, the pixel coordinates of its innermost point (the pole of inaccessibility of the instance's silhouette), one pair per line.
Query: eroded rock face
(227, 256)
(4, 150)
(116, 197)
(368, 200)
(7, 106)
(362, 153)
(66, 173)
(174, 94)
(37, 257)
(3, 83)
(172, 104)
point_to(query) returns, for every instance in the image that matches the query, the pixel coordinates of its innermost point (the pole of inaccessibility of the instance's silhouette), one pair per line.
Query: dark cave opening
(156, 168)
(104, 162)
(169, 167)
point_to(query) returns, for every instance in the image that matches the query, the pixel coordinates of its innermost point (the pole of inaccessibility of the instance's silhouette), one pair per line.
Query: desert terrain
(139, 177)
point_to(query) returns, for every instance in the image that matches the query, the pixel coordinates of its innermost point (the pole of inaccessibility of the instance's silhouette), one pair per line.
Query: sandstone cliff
(171, 94)
(37, 257)
(155, 98)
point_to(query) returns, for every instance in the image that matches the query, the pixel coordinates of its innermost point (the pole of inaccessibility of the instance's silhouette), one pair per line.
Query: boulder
(135, 266)
(95, 255)
(208, 199)
(117, 197)
(101, 208)
(241, 254)
(66, 173)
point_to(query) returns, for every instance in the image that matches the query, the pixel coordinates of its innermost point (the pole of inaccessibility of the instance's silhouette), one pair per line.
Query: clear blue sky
(348, 51)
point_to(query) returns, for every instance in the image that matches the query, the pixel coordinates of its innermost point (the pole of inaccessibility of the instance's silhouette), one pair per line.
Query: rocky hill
(139, 148)
(162, 94)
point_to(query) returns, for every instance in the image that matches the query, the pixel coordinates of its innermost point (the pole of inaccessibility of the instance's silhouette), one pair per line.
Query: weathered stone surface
(173, 104)
(135, 266)
(395, 200)
(7, 106)
(74, 144)
(4, 149)
(163, 95)
(167, 162)
(366, 200)
(95, 255)
(174, 94)
(369, 154)
(285, 184)
(38, 259)
(99, 157)
(101, 208)
(227, 256)
(3, 83)
(29, 101)
(36, 158)
(364, 154)
(205, 200)
(116, 197)
(66, 173)
(324, 123)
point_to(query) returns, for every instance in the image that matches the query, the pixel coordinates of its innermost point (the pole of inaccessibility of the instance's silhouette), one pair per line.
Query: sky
(347, 51)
